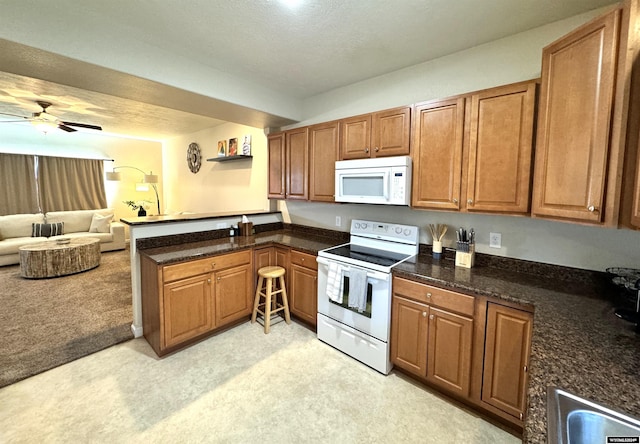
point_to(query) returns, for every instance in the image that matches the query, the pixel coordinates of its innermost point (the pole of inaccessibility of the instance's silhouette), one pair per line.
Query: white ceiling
(299, 51)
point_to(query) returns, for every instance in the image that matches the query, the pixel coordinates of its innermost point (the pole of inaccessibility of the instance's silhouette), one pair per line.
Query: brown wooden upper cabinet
(289, 164)
(500, 148)
(437, 155)
(276, 166)
(297, 164)
(494, 174)
(574, 124)
(385, 133)
(323, 153)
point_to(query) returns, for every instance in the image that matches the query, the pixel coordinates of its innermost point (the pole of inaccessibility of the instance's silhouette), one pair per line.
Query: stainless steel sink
(573, 420)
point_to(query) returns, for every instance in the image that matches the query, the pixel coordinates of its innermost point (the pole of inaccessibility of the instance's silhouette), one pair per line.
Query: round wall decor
(194, 157)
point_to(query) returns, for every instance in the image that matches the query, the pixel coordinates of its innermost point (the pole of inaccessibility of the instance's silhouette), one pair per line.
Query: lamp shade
(114, 175)
(150, 178)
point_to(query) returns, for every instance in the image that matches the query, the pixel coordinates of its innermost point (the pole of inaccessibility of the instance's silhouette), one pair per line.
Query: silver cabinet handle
(208, 281)
(424, 314)
(377, 149)
(470, 201)
(431, 317)
(591, 208)
(213, 265)
(429, 295)
(455, 201)
(366, 150)
(218, 279)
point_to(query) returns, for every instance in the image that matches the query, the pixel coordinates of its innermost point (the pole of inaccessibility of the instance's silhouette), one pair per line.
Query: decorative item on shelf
(465, 248)
(140, 206)
(147, 179)
(246, 145)
(222, 148)
(233, 147)
(437, 234)
(194, 157)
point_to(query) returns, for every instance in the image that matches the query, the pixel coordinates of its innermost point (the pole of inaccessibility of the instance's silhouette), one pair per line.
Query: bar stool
(270, 306)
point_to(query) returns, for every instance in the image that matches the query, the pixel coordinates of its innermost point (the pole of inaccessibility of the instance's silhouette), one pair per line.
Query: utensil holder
(437, 249)
(465, 255)
(246, 228)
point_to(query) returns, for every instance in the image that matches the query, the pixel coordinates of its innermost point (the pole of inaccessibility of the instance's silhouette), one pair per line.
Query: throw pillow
(47, 230)
(100, 223)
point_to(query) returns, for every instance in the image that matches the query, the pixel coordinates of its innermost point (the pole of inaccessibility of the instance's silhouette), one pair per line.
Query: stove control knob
(357, 225)
(364, 226)
(407, 231)
(398, 230)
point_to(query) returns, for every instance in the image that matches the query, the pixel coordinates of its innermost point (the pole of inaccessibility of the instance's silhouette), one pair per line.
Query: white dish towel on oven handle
(358, 289)
(334, 282)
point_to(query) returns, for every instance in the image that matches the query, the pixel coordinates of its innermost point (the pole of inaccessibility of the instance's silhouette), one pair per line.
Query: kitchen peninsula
(148, 230)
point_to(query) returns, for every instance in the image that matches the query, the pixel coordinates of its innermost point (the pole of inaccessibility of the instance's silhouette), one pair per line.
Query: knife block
(466, 259)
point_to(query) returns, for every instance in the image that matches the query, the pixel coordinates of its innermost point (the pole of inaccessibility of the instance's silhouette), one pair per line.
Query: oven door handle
(370, 274)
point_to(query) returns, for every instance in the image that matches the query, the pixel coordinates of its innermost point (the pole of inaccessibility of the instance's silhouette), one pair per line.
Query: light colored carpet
(48, 322)
(240, 386)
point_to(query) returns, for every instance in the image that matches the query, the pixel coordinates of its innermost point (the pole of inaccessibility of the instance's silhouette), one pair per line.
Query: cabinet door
(437, 154)
(262, 257)
(233, 294)
(635, 215)
(572, 144)
(303, 294)
(500, 149)
(449, 351)
(187, 309)
(282, 260)
(277, 170)
(297, 167)
(507, 344)
(355, 137)
(409, 321)
(323, 151)
(391, 132)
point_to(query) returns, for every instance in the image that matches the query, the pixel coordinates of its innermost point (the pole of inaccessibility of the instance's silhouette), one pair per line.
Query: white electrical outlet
(495, 240)
(338, 221)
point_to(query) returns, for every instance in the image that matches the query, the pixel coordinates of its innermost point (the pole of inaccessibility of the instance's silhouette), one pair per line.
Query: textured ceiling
(301, 51)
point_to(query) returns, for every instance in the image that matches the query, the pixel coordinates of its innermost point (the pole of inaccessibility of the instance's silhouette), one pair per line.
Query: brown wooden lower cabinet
(472, 348)
(432, 342)
(303, 283)
(182, 302)
(506, 359)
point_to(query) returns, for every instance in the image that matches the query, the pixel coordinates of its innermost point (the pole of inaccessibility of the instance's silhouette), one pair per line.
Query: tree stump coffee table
(52, 258)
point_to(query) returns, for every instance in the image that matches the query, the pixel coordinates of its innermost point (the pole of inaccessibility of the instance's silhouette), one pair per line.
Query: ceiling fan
(45, 121)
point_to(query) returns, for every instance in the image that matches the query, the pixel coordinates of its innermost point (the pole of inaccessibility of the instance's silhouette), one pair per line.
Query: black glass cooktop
(370, 255)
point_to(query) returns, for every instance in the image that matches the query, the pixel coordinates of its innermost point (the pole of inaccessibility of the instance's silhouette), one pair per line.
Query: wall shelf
(228, 158)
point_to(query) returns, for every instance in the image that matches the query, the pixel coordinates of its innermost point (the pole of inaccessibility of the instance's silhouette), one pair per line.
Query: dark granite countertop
(578, 343)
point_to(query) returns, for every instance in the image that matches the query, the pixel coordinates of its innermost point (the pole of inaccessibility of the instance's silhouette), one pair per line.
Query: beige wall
(218, 186)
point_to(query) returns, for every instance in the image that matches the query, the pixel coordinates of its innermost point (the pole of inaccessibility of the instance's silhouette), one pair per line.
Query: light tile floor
(241, 386)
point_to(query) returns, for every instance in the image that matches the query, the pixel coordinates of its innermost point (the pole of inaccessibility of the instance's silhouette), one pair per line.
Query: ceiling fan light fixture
(44, 126)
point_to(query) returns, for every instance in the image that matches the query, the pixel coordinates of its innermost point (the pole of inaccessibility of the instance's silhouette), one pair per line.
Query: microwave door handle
(387, 185)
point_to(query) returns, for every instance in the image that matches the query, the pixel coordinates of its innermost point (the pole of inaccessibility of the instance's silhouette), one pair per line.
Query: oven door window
(345, 298)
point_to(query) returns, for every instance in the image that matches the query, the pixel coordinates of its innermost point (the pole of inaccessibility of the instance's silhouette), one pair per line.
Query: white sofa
(16, 229)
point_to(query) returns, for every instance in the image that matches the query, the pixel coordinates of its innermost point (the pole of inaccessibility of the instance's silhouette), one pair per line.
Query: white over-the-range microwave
(381, 180)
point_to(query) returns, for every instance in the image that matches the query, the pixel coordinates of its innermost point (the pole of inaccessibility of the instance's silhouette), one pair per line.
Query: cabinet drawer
(459, 303)
(303, 259)
(200, 266)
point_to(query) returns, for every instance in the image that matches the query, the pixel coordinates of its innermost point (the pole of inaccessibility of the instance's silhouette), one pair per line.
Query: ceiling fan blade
(14, 121)
(66, 128)
(82, 125)
(14, 115)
